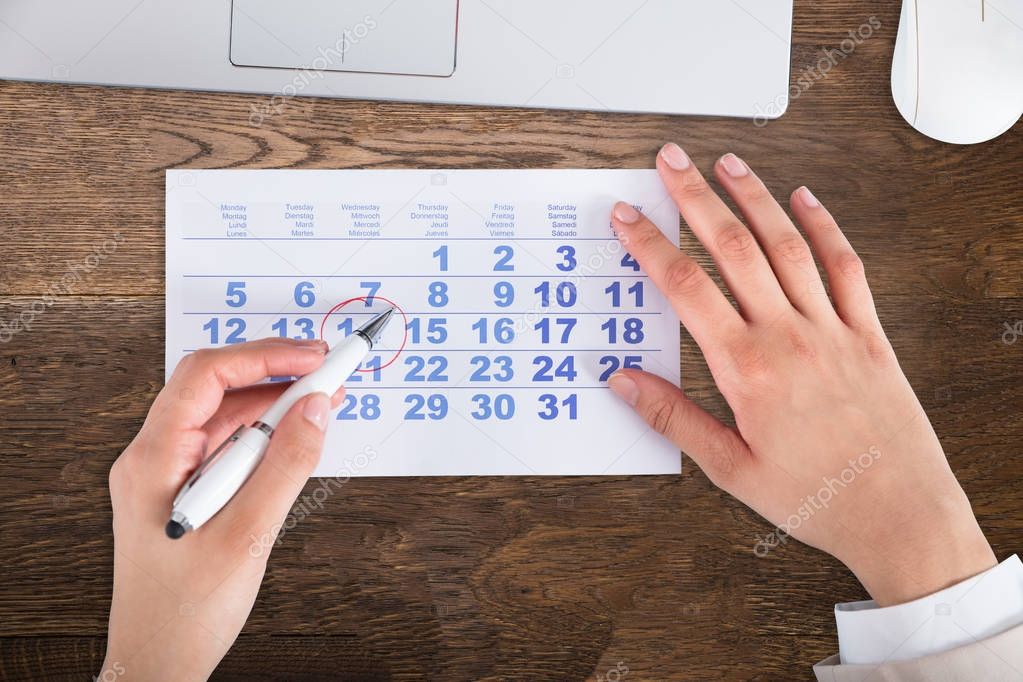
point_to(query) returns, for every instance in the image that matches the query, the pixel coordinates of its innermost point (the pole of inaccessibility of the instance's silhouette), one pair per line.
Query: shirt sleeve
(977, 608)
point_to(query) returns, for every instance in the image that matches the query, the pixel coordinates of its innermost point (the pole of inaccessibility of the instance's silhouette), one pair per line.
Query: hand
(830, 443)
(179, 604)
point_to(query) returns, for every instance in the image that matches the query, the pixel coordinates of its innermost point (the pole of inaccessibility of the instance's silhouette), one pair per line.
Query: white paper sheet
(493, 378)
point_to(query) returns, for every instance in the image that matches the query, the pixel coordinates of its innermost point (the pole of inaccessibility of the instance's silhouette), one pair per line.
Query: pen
(224, 472)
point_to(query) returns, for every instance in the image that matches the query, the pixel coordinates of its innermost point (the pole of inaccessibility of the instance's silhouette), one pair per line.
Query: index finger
(697, 301)
(196, 389)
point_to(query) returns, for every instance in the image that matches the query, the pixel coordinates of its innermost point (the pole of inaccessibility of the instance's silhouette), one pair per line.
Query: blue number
(504, 407)
(373, 364)
(566, 369)
(483, 409)
(417, 402)
(441, 255)
(565, 294)
(504, 294)
(482, 364)
(304, 324)
(211, 327)
(306, 327)
(418, 365)
(304, 296)
(546, 364)
(571, 402)
(347, 408)
(281, 327)
(613, 363)
(501, 406)
(439, 363)
(370, 407)
(414, 327)
(611, 326)
(437, 406)
(345, 326)
(238, 325)
(637, 291)
(236, 294)
(504, 330)
(438, 294)
(545, 293)
(633, 331)
(436, 331)
(352, 408)
(544, 326)
(615, 289)
(550, 403)
(629, 262)
(568, 262)
(372, 288)
(504, 263)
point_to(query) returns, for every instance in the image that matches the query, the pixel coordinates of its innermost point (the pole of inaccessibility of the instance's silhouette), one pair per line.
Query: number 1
(441, 255)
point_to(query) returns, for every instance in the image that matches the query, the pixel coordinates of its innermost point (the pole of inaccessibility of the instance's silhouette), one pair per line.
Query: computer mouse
(957, 72)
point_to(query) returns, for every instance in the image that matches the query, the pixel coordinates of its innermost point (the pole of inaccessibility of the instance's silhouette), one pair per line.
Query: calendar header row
(435, 205)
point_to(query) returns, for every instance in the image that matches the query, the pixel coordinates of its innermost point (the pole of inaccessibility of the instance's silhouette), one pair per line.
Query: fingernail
(674, 156)
(624, 387)
(734, 166)
(318, 345)
(316, 409)
(807, 197)
(626, 213)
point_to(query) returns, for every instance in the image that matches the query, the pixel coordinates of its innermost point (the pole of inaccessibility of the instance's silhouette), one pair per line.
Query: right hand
(830, 443)
(178, 605)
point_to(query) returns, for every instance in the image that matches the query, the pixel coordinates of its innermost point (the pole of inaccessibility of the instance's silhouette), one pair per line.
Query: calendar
(515, 304)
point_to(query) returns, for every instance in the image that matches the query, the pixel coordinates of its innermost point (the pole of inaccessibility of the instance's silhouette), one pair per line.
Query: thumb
(266, 498)
(719, 450)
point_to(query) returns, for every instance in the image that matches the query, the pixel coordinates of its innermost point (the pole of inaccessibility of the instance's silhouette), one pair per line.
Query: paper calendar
(517, 303)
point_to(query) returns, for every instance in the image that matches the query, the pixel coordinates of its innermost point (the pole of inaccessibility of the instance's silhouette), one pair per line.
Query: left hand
(813, 383)
(178, 605)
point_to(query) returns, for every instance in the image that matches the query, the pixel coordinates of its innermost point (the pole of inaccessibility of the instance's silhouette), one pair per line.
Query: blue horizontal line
(482, 387)
(437, 276)
(553, 349)
(442, 351)
(440, 312)
(401, 239)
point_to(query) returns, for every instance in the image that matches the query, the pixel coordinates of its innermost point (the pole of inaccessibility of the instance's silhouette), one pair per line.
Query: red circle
(365, 299)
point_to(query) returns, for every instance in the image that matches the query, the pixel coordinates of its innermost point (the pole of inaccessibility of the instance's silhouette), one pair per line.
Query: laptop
(702, 57)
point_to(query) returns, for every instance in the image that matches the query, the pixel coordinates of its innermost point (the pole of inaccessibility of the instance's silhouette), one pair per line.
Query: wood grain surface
(484, 578)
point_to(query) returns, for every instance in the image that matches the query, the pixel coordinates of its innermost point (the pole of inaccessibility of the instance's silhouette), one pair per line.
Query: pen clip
(207, 463)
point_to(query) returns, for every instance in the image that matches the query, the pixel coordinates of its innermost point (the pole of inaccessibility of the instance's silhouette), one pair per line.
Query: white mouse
(957, 73)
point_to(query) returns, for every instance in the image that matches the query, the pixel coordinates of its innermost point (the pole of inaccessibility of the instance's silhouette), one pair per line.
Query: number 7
(372, 288)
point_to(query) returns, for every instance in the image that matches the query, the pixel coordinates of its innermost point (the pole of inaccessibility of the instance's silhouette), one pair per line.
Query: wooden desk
(485, 578)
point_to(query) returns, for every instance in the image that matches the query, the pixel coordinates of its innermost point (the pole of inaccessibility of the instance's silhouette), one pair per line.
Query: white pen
(224, 472)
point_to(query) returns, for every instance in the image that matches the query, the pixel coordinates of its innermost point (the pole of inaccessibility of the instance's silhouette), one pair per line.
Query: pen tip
(372, 330)
(174, 530)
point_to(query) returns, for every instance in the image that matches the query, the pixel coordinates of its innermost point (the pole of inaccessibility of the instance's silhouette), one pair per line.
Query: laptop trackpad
(374, 36)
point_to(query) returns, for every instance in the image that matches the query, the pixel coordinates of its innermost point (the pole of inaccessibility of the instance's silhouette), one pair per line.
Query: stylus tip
(174, 530)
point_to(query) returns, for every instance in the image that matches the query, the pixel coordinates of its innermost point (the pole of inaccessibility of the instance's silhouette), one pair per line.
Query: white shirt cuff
(975, 609)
